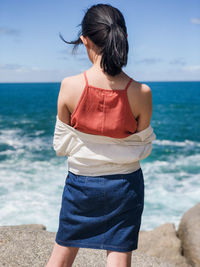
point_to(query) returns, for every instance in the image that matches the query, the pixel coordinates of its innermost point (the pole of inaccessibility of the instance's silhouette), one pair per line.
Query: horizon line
(139, 81)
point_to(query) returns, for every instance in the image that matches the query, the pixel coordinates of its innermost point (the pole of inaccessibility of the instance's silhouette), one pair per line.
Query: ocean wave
(15, 139)
(176, 143)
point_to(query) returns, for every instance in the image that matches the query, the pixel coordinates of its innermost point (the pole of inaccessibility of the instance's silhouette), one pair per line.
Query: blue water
(32, 176)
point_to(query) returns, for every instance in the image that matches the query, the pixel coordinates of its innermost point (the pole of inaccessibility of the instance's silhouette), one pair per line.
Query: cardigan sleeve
(63, 139)
(94, 149)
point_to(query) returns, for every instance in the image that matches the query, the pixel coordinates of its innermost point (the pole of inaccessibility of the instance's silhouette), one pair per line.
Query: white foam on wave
(30, 191)
(171, 188)
(16, 139)
(176, 143)
(10, 137)
(22, 121)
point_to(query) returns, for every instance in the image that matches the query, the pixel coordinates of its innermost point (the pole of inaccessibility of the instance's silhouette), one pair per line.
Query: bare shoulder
(140, 98)
(141, 92)
(145, 94)
(141, 88)
(70, 85)
(142, 104)
(71, 81)
(70, 90)
(145, 88)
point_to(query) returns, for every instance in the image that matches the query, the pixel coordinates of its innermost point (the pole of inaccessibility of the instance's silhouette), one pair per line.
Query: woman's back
(104, 111)
(115, 108)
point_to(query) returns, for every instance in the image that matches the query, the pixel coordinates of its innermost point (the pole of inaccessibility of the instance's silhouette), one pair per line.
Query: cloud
(82, 57)
(23, 73)
(195, 20)
(4, 30)
(80, 54)
(9, 66)
(178, 61)
(17, 68)
(65, 51)
(149, 60)
(191, 68)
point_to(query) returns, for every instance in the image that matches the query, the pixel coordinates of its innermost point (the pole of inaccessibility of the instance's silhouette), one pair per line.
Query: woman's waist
(96, 168)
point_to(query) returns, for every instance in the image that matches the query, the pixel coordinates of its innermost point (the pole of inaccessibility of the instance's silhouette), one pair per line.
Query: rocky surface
(163, 242)
(189, 233)
(31, 245)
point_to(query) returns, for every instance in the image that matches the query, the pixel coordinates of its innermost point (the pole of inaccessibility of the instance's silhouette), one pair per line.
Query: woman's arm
(62, 109)
(145, 108)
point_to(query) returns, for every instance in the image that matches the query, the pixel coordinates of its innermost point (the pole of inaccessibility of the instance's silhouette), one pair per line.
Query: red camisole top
(104, 112)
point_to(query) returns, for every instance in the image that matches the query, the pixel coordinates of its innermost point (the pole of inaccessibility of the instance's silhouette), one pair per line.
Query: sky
(163, 38)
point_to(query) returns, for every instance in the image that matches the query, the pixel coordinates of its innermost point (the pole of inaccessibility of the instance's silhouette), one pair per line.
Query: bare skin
(140, 99)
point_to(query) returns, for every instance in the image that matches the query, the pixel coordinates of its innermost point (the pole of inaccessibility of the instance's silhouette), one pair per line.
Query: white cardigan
(94, 155)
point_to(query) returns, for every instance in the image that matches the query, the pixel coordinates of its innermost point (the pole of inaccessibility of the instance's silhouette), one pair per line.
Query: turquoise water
(32, 176)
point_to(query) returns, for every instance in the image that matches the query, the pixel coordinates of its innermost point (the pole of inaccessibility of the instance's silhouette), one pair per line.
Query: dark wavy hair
(105, 26)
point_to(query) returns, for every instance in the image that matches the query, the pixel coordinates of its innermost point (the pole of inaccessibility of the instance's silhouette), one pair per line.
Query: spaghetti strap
(128, 84)
(86, 81)
(94, 106)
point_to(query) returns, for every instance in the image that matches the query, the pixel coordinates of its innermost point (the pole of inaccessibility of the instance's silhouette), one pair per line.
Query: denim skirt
(101, 212)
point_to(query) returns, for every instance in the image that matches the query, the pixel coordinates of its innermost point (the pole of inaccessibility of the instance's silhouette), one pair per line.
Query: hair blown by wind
(105, 26)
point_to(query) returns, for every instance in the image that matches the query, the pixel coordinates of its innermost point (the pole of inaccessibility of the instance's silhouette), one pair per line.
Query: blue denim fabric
(101, 212)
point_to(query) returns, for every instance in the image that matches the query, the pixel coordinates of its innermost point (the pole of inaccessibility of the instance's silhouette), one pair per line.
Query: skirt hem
(95, 246)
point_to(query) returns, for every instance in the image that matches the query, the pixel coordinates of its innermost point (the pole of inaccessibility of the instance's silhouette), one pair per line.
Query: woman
(106, 111)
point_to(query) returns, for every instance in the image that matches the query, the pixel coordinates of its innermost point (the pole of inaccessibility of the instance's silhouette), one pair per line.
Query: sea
(32, 176)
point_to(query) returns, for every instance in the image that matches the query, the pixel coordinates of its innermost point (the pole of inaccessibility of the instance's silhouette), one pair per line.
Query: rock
(97, 258)
(23, 226)
(25, 245)
(31, 245)
(189, 233)
(162, 242)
